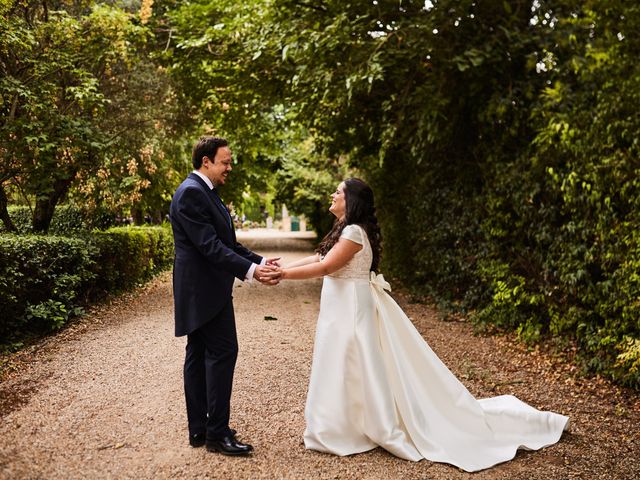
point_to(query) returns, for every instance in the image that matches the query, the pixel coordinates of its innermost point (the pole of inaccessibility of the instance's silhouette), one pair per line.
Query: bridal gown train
(376, 382)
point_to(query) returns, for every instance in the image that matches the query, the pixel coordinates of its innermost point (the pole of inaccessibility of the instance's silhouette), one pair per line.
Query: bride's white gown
(376, 382)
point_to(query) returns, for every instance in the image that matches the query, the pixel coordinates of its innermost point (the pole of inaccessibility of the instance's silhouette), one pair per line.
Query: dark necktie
(218, 200)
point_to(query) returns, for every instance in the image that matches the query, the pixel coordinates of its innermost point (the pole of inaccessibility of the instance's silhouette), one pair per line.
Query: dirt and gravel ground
(103, 399)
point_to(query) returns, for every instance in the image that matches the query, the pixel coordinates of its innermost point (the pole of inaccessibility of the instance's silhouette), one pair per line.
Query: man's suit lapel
(216, 202)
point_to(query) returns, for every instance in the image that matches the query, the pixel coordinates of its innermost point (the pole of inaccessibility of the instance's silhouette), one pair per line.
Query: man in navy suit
(207, 260)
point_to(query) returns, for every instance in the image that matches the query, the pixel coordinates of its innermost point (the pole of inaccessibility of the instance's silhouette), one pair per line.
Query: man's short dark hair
(206, 147)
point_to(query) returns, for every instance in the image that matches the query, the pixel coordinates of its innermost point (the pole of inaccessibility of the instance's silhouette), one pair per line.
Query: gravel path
(104, 399)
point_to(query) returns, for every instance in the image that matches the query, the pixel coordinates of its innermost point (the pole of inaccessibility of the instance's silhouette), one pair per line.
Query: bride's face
(338, 204)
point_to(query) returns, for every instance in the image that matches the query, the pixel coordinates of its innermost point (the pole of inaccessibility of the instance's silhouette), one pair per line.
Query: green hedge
(129, 255)
(513, 194)
(46, 280)
(532, 253)
(67, 220)
(41, 280)
(543, 241)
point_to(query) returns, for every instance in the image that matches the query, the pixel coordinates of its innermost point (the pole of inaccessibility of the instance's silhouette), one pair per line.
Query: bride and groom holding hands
(374, 380)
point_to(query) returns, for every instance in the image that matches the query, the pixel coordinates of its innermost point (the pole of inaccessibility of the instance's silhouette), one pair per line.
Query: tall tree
(79, 94)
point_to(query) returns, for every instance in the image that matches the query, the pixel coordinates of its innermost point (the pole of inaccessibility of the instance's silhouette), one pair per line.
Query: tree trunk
(4, 214)
(46, 205)
(138, 218)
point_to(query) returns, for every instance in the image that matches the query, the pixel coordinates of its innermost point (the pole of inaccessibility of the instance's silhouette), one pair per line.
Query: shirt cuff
(249, 276)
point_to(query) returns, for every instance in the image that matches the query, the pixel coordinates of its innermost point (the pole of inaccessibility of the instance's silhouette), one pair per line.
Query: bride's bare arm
(305, 261)
(338, 256)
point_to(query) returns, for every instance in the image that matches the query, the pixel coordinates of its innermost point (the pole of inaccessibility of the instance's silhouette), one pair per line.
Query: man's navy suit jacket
(207, 255)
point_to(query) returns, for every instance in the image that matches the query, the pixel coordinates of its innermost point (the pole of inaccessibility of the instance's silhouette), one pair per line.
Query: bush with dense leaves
(531, 223)
(46, 280)
(42, 280)
(66, 220)
(129, 255)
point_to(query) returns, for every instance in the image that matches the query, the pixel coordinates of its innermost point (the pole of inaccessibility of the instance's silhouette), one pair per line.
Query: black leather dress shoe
(229, 446)
(197, 440)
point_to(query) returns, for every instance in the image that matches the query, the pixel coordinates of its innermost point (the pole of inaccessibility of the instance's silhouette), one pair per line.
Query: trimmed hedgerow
(47, 280)
(41, 281)
(67, 220)
(130, 255)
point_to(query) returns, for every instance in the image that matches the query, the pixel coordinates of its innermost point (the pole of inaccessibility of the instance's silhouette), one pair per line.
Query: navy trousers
(210, 359)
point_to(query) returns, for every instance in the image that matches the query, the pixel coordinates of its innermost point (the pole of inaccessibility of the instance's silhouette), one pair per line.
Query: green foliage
(85, 110)
(223, 56)
(46, 280)
(21, 217)
(570, 225)
(500, 138)
(305, 181)
(66, 220)
(41, 281)
(149, 250)
(206, 55)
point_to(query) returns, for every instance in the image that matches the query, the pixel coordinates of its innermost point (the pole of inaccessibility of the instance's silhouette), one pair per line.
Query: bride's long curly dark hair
(360, 210)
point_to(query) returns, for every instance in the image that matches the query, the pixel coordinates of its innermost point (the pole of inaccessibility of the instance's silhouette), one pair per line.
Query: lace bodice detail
(358, 267)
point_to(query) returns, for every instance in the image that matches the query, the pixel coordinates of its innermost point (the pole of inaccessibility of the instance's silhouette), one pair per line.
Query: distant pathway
(104, 399)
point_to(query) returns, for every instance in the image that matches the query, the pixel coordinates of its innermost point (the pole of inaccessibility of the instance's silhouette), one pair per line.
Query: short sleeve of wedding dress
(353, 233)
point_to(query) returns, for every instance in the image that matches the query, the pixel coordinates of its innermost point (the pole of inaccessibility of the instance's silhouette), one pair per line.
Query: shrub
(67, 220)
(21, 217)
(41, 278)
(46, 280)
(149, 250)
(523, 206)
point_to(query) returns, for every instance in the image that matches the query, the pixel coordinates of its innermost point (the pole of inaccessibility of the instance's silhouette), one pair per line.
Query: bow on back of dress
(379, 282)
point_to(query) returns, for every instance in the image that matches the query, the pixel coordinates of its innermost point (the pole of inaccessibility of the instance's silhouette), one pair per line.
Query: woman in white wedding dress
(374, 379)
